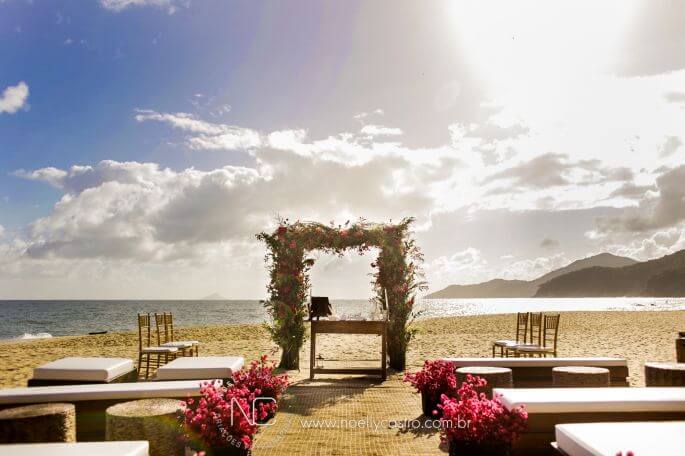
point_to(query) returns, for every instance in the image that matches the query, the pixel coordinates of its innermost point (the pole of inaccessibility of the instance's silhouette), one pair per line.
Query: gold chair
(146, 351)
(187, 347)
(534, 336)
(521, 335)
(550, 333)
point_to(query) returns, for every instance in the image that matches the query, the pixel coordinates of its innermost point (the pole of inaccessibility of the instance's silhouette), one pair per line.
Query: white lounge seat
(132, 448)
(84, 369)
(588, 400)
(99, 392)
(200, 367)
(607, 439)
(537, 362)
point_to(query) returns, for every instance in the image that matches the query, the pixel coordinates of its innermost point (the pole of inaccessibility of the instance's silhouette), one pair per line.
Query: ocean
(43, 319)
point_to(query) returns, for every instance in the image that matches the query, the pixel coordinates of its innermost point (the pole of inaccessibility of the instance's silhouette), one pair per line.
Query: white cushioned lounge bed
(537, 372)
(548, 407)
(91, 400)
(84, 370)
(607, 439)
(188, 368)
(132, 448)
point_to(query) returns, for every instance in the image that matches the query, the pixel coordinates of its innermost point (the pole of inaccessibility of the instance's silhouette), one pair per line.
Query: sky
(144, 143)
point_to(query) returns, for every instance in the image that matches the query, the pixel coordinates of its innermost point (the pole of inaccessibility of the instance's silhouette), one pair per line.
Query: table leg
(312, 355)
(383, 352)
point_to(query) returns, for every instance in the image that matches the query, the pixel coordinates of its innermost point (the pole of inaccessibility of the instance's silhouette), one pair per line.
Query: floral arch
(397, 273)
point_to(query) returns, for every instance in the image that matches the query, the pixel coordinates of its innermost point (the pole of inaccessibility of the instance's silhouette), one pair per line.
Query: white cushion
(572, 400)
(132, 448)
(99, 391)
(84, 369)
(178, 344)
(505, 342)
(607, 439)
(537, 362)
(200, 367)
(160, 350)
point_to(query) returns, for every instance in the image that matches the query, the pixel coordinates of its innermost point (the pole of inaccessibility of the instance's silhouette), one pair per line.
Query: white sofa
(188, 368)
(75, 370)
(607, 439)
(91, 400)
(132, 448)
(548, 407)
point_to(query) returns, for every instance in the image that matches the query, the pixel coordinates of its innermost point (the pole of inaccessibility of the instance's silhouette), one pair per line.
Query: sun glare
(512, 44)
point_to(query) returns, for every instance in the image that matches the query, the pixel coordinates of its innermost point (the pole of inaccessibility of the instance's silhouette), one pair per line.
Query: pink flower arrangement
(436, 378)
(259, 379)
(473, 419)
(223, 416)
(217, 419)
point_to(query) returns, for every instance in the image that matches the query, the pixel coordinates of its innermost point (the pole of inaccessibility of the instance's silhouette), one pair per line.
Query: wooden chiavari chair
(548, 344)
(152, 356)
(521, 335)
(187, 347)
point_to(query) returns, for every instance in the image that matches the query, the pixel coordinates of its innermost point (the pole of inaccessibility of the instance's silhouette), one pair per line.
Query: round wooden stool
(580, 376)
(497, 377)
(665, 374)
(154, 420)
(38, 423)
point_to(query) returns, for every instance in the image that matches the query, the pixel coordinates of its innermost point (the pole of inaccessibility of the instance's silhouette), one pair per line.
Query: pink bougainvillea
(218, 418)
(476, 419)
(226, 416)
(259, 379)
(434, 379)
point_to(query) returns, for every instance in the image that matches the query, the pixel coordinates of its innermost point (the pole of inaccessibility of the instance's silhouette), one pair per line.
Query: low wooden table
(379, 327)
(580, 376)
(496, 377)
(665, 374)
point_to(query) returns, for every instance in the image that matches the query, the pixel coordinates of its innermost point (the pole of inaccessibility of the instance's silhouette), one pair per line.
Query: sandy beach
(637, 336)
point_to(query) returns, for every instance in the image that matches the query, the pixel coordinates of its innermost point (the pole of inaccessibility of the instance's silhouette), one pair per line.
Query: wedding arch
(397, 277)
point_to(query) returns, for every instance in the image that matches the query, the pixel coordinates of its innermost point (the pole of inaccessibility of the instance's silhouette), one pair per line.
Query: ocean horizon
(35, 319)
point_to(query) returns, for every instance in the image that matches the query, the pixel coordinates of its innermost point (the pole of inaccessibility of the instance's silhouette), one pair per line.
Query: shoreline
(637, 336)
(639, 307)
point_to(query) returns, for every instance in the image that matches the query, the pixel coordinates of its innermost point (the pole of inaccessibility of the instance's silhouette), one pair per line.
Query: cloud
(630, 190)
(465, 266)
(379, 130)
(208, 135)
(14, 98)
(556, 170)
(654, 43)
(549, 244)
(670, 145)
(675, 97)
(652, 213)
(657, 245)
(491, 131)
(141, 211)
(533, 268)
(363, 115)
(120, 5)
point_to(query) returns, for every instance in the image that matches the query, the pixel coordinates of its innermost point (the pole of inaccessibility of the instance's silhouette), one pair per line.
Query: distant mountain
(214, 297)
(604, 260)
(661, 277)
(500, 288)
